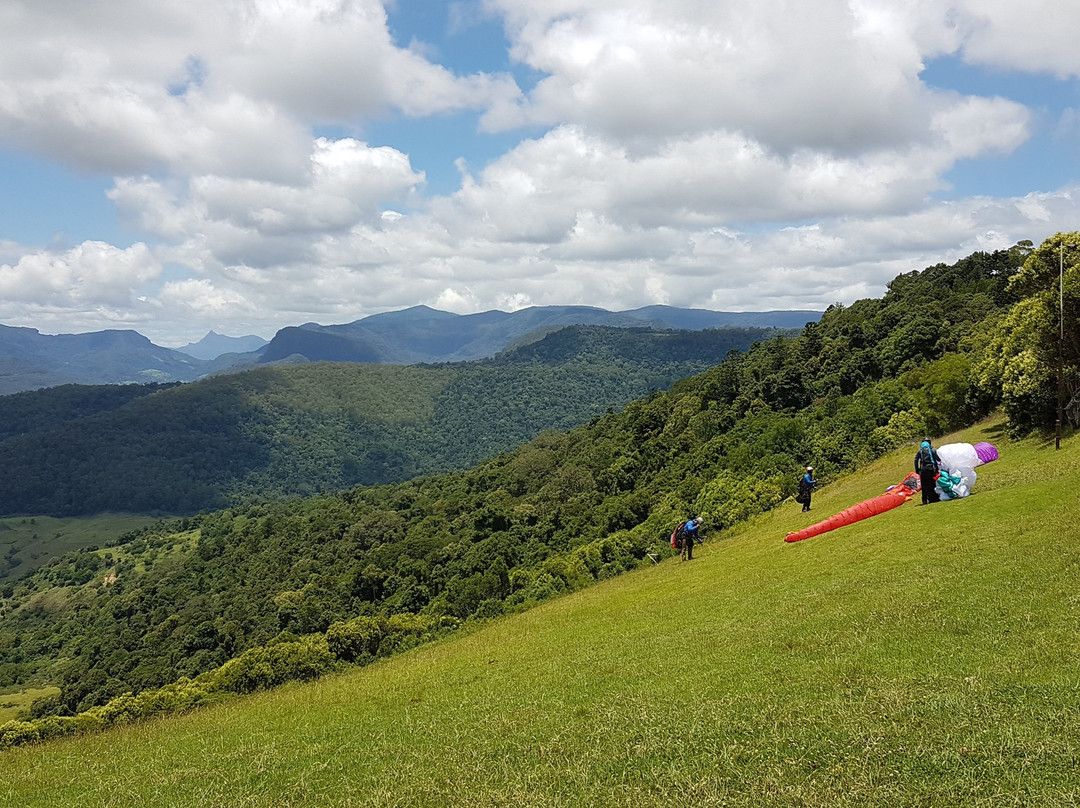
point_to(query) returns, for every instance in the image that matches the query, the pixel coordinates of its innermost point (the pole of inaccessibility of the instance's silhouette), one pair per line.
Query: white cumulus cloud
(228, 87)
(90, 274)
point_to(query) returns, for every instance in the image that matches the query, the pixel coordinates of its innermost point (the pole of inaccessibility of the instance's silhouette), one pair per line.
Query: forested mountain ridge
(30, 360)
(40, 410)
(551, 516)
(301, 429)
(422, 334)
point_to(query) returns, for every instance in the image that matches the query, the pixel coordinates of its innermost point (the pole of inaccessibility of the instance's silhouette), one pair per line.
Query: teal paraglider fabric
(950, 486)
(955, 478)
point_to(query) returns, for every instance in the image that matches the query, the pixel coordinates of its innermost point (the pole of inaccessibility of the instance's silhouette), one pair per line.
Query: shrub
(120, 709)
(409, 630)
(14, 733)
(492, 607)
(732, 498)
(902, 428)
(355, 639)
(171, 699)
(532, 585)
(54, 726)
(89, 721)
(264, 667)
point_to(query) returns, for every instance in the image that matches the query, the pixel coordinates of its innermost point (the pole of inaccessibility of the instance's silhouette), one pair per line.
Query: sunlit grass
(15, 703)
(31, 541)
(924, 657)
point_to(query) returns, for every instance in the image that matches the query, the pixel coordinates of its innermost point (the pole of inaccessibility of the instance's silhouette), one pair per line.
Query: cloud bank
(714, 154)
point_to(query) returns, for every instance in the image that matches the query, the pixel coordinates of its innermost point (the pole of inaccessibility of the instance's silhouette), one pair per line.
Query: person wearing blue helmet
(927, 465)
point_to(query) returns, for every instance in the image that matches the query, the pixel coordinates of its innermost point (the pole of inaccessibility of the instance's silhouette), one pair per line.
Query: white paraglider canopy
(958, 463)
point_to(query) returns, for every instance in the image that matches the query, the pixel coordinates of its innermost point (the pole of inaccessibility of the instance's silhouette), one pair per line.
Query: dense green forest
(297, 430)
(22, 413)
(565, 509)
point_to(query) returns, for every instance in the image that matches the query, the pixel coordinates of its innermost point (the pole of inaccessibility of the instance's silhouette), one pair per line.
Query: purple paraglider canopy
(986, 452)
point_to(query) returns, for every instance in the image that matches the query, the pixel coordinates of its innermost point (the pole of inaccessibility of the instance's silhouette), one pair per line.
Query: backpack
(803, 490)
(926, 461)
(677, 536)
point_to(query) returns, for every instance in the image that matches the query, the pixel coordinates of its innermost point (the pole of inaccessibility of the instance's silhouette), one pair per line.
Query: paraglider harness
(927, 464)
(803, 494)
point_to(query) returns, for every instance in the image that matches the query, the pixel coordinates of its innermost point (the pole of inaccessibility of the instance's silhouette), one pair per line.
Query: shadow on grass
(995, 431)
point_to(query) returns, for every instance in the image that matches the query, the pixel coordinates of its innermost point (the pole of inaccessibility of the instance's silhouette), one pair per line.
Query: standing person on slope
(806, 488)
(691, 532)
(927, 464)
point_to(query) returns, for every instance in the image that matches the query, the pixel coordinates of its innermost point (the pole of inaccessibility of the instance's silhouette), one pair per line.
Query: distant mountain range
(30, 360)
(422, 334)
(214, 345)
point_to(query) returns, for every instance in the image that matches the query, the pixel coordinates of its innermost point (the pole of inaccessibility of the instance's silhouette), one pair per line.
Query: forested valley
(298, 430)
(243, 597)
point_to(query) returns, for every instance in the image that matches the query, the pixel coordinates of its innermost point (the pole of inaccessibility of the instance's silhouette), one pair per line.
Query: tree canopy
(1038, 339)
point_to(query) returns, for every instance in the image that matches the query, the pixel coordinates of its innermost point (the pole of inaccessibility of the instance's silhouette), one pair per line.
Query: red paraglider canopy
(894, 497)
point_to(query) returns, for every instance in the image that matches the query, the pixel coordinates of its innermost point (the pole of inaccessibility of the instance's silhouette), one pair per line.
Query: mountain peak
(214, 345)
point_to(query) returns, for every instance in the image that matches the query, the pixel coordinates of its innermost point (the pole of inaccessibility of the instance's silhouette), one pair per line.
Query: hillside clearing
(27, 542)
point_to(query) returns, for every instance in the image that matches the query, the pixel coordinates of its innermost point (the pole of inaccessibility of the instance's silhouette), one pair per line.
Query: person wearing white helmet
(691, 532)
(806, 488)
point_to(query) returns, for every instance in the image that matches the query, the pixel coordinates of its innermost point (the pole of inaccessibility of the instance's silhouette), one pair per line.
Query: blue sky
(1048, 158)
(179, 167)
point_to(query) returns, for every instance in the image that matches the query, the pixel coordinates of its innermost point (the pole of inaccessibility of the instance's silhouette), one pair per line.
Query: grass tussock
(924, 657)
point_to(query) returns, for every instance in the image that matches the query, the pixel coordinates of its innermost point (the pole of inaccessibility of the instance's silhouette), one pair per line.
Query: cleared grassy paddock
(27, 542)
(14, 704)
(925, 657)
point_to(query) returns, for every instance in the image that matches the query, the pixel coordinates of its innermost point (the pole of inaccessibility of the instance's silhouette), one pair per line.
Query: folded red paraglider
(894, 497)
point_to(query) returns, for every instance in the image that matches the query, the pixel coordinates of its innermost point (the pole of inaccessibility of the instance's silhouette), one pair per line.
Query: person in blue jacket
(806, 488)
(691, 533)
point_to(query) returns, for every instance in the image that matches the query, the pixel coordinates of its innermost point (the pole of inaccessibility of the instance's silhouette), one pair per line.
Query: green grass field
(13, 706)
(27, 542)
(925, 657)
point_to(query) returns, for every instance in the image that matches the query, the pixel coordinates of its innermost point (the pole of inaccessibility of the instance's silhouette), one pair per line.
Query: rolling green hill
(924, 657)
(298, 430)
(764, 673)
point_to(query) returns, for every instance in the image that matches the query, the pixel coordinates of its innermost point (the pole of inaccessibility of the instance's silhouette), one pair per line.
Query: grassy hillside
(15, 704)
(924, 657)
(550, 517)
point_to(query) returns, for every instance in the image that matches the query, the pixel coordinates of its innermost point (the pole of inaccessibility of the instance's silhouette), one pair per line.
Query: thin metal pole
(1061, 343)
